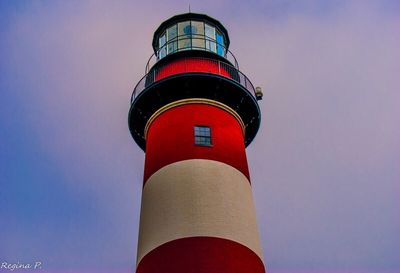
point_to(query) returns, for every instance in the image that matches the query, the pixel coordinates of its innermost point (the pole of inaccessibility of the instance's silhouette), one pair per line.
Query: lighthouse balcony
(185, 65)
(182, 76)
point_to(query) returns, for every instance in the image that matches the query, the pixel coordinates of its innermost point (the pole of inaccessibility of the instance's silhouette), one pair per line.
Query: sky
(325, 165)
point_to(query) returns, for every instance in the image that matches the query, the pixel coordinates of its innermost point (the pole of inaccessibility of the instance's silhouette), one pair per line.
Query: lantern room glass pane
(162, 48)
(220, 44)
(184, 43)
(198, 43)
(184, 36)
(210, 38)
(172, 47)
(210, 32)
(184, 28)
(197, 28)
(172, 43)
(198, 35)
(172, 33)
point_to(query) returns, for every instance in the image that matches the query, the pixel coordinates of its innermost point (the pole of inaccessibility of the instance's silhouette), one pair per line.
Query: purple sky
(325, 165)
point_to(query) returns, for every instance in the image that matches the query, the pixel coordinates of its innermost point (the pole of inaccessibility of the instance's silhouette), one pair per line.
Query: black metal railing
(185, 42)
(216, 67)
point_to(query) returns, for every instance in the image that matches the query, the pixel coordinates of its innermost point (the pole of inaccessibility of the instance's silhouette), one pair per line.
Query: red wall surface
(201, 255)
(191, 65)
(170, 138)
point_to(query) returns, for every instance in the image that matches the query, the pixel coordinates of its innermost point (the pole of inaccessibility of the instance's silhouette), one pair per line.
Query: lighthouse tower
(193, 114)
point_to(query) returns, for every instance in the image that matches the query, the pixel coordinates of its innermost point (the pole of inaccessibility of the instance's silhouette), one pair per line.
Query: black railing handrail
(235, 75)
(155, 57)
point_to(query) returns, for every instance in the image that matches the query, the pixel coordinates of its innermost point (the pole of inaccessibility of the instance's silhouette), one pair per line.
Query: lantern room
(190, 31)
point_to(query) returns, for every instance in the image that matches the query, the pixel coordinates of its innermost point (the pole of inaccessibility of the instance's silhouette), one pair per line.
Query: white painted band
(197, 197)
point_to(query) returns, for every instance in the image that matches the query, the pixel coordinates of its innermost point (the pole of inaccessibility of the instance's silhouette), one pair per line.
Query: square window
(202, 135)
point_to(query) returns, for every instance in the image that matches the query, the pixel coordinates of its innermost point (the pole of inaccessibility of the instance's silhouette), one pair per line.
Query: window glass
(184, 35)
(172, 43)
(210, 37)
(202, 135)
(184, 43)
(220, 44)
(197, 28)
(162, 47)
(210, 32)
(171, 33)
(184, 28)
(198, 35)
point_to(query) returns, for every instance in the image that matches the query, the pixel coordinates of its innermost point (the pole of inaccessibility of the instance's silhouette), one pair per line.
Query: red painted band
(187, 65)
(170, 138)
(201, 255)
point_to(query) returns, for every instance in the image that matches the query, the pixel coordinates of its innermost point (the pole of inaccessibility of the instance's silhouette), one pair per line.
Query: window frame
(202, 135)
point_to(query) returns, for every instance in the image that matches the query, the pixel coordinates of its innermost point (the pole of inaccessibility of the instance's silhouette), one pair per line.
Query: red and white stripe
(197, 211)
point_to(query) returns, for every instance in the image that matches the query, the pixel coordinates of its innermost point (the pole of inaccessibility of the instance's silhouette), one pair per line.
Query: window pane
(202, 135)
(184, 43)
(162, 53)
(220, 44)
(171, 33)
(198, 43)
(197, 28)
(161, 41)
(172, 47)
(184, 35)
(210, 32)
(172, 43)
(198, 35)
(210, 37)
(162, 49)
(184, 28)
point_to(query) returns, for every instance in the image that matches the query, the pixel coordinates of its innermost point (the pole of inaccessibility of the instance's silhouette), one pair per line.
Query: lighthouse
(193, 114)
